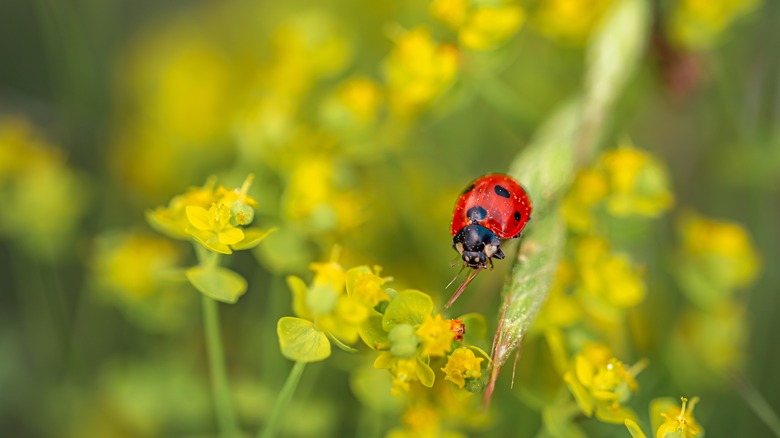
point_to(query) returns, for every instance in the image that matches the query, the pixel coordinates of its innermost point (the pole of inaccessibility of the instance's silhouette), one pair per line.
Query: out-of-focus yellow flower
(405, 371)
(488, 26)
(680, 422)
(436, 335)
(716, 258)
(451, 12)
(180, 81)
(560, 309)
(366, 285)
(462, 364)
(700, 24)
(708, 344)
(132, 265)
(308, 46)
(135, 271)
(569, 21)
(313, 198)
(638, 183)
(418, 70)
(587, 191)
(353, 107)
(601, 383)
(43, 199)
(361, 96)
(606, 280)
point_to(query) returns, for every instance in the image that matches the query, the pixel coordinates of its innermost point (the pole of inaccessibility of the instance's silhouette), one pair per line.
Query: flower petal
(198, 217)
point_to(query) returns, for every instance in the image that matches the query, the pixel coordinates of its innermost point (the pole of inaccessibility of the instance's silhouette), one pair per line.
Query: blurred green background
(362, 122)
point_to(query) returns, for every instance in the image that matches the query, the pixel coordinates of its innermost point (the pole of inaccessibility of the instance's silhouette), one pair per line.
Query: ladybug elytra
(493, 207)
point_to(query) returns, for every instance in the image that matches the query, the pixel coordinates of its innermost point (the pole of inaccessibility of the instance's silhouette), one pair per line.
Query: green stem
(226, 416)
(284, 399)
(757, 402)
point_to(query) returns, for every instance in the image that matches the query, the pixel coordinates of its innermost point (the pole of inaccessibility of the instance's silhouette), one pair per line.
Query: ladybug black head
(477, 245)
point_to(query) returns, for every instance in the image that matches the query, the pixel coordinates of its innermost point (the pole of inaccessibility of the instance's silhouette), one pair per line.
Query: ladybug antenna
(456, 276)
(462, 287)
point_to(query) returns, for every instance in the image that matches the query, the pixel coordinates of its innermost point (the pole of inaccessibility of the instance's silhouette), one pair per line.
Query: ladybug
(493, 207)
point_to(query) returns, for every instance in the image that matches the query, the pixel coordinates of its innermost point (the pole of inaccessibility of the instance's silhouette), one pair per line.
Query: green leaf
(340, 344)
(252, 237)
(372, 333)
(216, 282)
(634, 429)
(425, 373)
(300, 341)
(408, 307)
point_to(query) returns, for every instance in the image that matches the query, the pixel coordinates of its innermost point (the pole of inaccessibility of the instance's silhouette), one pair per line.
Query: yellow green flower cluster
(602, 384)
(213, 216)
(624, 182)
(217, 220)
(341, 305)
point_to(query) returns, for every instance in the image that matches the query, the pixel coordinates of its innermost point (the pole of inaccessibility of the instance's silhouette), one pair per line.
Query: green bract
(217, 282)
(300, 341)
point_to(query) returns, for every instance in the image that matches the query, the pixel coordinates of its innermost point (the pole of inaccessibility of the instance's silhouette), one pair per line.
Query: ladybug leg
(499, 254)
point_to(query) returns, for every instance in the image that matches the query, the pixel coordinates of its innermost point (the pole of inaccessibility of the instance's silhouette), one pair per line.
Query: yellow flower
(680, 423)
(366, 285)
(172, 220)
(418, 70)
(361, 96)
(587, 191)
(489, 26)
(328, 303)
(699, 24)
(436, 335)
(601, 383)
(451, 12)
(716, 258)
(569, 21)
(638, 183)
(462, 364)
(312, 197)
(212, 227)
(606, 280)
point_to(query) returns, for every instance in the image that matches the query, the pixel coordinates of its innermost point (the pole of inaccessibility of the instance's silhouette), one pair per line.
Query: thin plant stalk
(269, 431)
(223, 405)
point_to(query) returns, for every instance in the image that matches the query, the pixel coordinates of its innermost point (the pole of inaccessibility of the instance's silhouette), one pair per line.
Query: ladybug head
(477, 245)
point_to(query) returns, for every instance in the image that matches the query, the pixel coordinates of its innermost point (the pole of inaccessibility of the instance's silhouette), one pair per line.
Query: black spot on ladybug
(517, 216)
(468, 189)
(476, 214)
(502, 192)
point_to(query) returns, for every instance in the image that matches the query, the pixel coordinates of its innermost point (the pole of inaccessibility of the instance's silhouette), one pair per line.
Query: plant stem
(284, 399)
(226, 416)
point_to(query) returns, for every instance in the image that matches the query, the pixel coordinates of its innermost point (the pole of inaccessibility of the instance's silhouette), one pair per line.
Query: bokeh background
(362, 122)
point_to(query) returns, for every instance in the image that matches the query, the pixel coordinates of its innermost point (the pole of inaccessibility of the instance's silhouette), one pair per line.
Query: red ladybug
(492, 207)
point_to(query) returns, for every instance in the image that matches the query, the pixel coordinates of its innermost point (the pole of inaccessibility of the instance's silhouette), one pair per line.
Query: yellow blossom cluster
(213, 216)
(479, 26)
(624, 182)
(601, 383)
